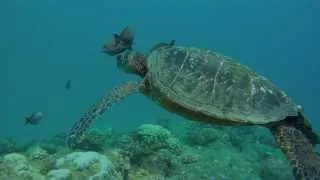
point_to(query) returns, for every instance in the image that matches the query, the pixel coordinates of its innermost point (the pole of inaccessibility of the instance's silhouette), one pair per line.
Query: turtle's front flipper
(305, 162)
(99, 108)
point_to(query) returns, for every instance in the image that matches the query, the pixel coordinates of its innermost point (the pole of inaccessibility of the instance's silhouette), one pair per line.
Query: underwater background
(46, 43)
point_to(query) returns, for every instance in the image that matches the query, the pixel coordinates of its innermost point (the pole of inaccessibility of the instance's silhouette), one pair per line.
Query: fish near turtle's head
(133, 63)
(120, 43)
(127, 60)
(126, 37)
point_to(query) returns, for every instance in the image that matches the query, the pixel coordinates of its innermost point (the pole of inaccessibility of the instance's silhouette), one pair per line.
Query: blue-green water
(45, 43)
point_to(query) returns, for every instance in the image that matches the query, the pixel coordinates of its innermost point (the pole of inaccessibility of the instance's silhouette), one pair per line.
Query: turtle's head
(132, 62)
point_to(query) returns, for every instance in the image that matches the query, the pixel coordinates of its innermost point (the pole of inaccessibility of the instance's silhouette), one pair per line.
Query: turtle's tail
(304, 160)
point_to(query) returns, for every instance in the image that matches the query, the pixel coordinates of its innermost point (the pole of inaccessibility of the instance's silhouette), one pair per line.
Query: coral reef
(95, 140)
(16, 166)
(151, 138)
(152, 151)
(36, 153)
(52, 144)
(201, 136)
(89, 164)
(59, 174)
(9, 145)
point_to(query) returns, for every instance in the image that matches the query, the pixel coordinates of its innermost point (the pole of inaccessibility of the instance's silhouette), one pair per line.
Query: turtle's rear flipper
(304, 160)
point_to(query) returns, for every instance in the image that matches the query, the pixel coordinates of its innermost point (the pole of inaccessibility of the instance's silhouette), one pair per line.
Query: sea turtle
(206, 86)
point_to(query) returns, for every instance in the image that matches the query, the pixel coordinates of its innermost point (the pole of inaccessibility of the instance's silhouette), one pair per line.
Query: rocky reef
(189, 151)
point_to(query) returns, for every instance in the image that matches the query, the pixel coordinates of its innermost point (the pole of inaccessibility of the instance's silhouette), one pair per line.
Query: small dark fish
(34, 118)
(120, 43)
(68, 85)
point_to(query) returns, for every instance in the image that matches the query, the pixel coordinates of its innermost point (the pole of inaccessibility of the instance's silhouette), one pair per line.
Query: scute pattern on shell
(216, 85)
